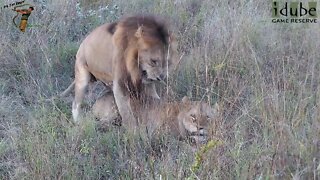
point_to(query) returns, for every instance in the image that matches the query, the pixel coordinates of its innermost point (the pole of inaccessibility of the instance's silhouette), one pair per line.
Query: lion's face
(154, 56)
(196, 118)
(153, 63)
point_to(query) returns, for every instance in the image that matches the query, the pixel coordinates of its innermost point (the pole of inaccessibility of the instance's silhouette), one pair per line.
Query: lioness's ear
(185, 99)
(139, 32)
(216, 108)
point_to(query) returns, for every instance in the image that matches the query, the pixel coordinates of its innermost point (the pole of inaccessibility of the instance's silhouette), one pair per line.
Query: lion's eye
(193, 117)
(154, 62)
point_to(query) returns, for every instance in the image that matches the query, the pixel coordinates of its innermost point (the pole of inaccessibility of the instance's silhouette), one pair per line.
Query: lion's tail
(68, 90)
(63, 94)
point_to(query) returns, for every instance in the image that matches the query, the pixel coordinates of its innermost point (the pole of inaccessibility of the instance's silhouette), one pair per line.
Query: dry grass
(265, 77)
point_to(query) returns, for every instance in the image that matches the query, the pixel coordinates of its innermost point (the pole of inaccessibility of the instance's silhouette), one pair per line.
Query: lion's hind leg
(82, 78)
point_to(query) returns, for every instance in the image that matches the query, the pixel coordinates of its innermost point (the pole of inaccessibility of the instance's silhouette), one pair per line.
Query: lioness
(131, 54)
(105, 109)
(185, 119)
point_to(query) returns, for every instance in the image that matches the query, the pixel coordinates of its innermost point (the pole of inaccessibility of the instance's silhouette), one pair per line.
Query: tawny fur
(130, 54)
(185, 119)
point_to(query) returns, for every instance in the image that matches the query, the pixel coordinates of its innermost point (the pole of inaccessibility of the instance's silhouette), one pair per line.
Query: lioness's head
(195, 118)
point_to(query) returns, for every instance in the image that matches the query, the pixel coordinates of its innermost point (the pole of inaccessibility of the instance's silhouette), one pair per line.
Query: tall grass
(265, 77)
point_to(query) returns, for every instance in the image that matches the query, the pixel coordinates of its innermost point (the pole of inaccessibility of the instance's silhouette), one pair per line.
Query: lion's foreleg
(124, 108)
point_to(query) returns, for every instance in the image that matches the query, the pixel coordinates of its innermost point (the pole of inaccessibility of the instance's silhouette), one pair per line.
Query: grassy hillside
(264, 75)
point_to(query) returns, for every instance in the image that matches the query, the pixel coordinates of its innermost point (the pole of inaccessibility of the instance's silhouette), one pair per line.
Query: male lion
(185, 119)
(130, 55)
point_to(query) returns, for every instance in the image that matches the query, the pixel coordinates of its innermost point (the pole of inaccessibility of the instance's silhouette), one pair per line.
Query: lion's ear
(185, 99)
(139, 32)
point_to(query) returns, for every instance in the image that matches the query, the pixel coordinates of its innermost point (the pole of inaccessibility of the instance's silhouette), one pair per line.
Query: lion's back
(96, 52)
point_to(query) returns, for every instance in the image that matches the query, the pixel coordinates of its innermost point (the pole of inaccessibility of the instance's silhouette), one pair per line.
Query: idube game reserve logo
(294, 12)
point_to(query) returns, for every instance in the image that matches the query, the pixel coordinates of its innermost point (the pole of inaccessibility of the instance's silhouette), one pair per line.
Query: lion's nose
(144, 73)
(161, 77)
(202, 132)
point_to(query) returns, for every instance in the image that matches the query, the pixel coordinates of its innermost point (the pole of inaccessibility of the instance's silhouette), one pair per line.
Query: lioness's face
(196, 120)
(153, 63)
